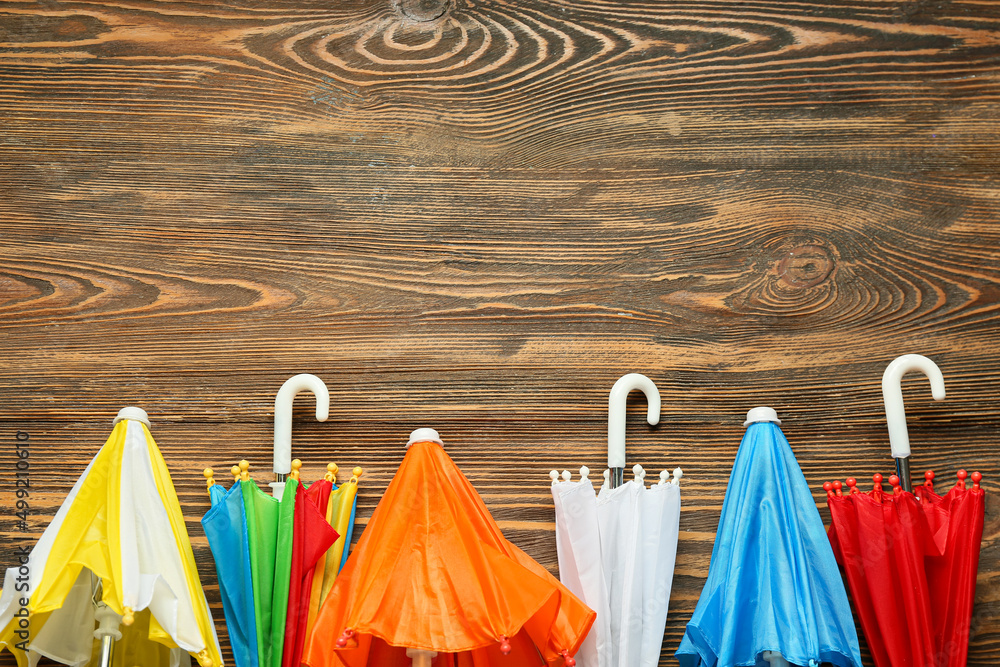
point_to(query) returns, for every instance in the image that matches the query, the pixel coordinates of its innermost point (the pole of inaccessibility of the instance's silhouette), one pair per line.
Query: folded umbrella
(312, 537)
(774, 593)
(899, 547)
(616, 549)
(265, 547)
(225, 525)
(290, 565)
(284, 540)
(340, 505)
(432, 575)
(117, 550)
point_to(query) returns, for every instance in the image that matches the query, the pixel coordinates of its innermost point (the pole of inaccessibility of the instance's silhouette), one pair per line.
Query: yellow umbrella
(117, 549)
(340, 509)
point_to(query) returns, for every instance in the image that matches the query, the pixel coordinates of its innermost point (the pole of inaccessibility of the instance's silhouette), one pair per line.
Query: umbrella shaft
(903, 471)
(617, 477)
(420, 658)
(107, 644)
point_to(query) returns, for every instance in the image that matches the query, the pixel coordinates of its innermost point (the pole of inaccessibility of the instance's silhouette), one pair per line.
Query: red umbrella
(910, 544)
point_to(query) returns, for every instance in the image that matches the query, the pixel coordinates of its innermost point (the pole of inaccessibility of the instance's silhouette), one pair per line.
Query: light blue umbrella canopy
(773, 590)
(225, 526)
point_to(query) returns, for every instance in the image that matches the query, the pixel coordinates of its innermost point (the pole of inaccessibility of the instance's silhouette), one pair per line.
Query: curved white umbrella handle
(892, 395)
(283, 417)
(616, 417)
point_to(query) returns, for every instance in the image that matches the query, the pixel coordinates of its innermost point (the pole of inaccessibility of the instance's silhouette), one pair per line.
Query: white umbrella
(616, 549)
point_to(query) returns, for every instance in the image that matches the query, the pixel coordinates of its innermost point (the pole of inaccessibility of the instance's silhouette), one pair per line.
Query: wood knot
(805, 265)
(424, 11)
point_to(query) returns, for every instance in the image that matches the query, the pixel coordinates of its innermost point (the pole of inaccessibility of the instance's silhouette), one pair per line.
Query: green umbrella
(269, 531)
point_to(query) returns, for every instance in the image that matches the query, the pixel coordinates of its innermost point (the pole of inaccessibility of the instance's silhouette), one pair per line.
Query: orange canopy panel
(432, 571)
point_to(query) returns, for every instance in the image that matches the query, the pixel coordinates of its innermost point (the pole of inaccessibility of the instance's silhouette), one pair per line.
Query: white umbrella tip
(424, 435)
(762, 414)
(134, 413)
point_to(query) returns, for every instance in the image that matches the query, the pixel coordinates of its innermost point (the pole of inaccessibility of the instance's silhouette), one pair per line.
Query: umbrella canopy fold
(265, 550)
(225, 525)
(617, 548)
(433, 574)
(118, 538)
(312, 537)
(340, 505)
(910, 557)
(266, 547)
(773, 593)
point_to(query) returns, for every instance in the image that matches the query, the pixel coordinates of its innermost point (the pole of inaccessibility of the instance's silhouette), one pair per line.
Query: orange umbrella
(434, 580)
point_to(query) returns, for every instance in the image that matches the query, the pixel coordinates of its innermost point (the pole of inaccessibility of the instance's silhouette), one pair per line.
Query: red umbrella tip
(976, 479)
(505, 645)
(828, 487)
(851, 482)
(962, 474)
(929, 475)
(837, 486)
(894, 481)
(877, 478)
(569, 660)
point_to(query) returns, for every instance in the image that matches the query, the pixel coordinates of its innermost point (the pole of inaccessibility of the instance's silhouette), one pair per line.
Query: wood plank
(476, 216)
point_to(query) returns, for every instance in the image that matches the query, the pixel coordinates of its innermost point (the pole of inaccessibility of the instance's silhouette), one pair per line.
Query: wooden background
(476, 215)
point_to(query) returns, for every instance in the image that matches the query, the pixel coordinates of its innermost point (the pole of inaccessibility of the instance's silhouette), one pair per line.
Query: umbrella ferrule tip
(133, 413)
(762, 414)
(424, 435)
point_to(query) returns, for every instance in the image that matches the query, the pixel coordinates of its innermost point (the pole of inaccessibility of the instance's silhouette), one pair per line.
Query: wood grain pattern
(476, 216)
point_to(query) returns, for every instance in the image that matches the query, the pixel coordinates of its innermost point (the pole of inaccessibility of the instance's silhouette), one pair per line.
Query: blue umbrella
(225, 526)
(774, 594)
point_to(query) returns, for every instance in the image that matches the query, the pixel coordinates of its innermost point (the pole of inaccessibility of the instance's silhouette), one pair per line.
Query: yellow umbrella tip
(331, 472)
(296, 465)
(209, 477)
(235, 472)
(244, 470)
(128, 616)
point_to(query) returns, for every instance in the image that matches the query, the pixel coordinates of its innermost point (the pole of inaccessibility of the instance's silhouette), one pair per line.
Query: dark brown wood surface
(475, 216)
